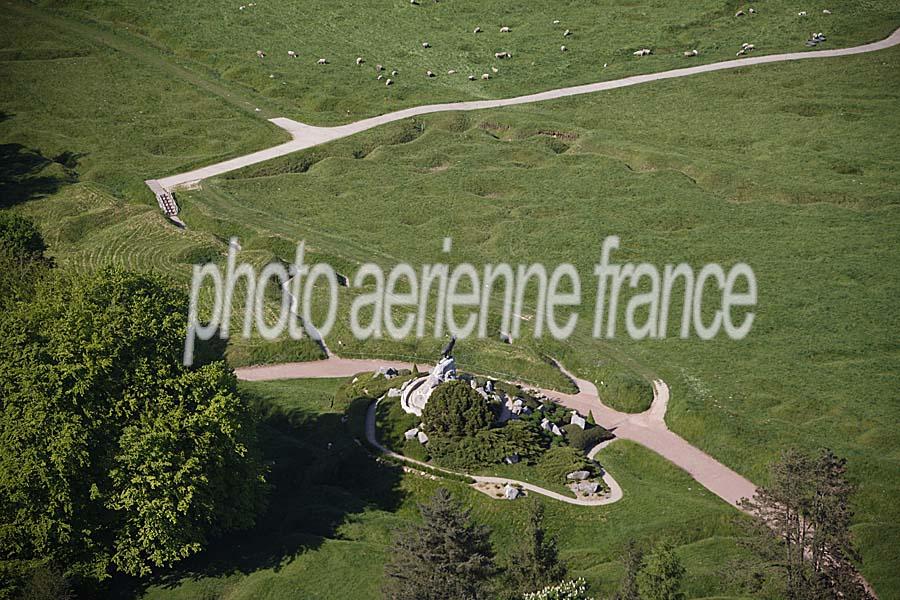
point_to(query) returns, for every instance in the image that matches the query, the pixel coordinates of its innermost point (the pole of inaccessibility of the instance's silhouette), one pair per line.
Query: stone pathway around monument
(647, 428)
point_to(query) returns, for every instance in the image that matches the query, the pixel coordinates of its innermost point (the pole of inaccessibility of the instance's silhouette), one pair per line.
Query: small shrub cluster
(627, 392)
(489, 447)
(560, 461)
(585, 439)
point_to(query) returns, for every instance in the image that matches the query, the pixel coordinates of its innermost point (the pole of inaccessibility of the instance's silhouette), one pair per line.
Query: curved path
(615, 491)
(307, 136)
(647, 428)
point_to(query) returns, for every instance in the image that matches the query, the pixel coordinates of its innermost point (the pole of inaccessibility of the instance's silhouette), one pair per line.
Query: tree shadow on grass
(25, 173)
(320, 473)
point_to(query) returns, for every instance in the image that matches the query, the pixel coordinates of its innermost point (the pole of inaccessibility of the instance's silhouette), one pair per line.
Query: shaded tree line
(801, 544)
(449, 557)
(114, 457)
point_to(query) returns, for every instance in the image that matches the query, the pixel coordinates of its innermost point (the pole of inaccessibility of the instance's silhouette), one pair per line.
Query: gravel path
(647, 428)
(307, 136)
(615, 490)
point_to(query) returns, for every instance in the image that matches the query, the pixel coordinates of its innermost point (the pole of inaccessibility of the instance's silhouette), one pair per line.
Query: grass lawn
(334, 511)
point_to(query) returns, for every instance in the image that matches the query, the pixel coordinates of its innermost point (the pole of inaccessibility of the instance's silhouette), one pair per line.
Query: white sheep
(556, 22)
(389, 82)
(495, 69)
(563, 49)
(322, 61)
(429, 74)
(359, 60)
(379, 67)
(690, 53)
(395, 72)
(426, 45)
(486, 76)
(501, 55)
(802, 13)
(380, 77)
(739, 13)
(826, 11)
(752, 11)
(472, 78)
(505, 29)
(643, 52)
(477, 30)
(451, 72)
(260, 54)
(292, 54)
(567, 33)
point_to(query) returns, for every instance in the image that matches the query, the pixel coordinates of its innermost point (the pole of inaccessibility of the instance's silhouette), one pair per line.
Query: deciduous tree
(661, 574)
(113, 455)
(806, 508)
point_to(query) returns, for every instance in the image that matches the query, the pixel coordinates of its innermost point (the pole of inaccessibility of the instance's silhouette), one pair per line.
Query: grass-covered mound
(625, 391)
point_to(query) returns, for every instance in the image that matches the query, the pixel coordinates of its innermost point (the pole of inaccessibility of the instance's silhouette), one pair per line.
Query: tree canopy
(22, 260)
(805, 510)
(456, 410)
(113, 455)
(661, 574)
(446, 557)
(20, 236)
(535, 563)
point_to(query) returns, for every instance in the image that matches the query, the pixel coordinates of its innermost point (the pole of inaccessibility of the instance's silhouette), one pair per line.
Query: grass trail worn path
(307, 136)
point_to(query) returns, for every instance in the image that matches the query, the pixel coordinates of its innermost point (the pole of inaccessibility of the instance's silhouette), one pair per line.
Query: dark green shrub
(489, 447)
(559, 461)
(585, 439)
(627, 392)
(456, 410)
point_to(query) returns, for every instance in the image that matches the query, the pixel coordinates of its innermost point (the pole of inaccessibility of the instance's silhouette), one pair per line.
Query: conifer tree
(446, 557)
(536, 562)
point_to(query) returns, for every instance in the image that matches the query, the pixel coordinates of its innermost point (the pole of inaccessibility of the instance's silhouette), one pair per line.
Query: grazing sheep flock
(813, 40)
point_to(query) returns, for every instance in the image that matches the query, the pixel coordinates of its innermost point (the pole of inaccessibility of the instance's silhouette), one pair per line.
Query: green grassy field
(222, 39)
(792, 168)
(335, 510)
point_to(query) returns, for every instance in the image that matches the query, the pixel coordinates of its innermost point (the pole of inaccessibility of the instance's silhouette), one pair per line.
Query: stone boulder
(578, 420)
(587, 488)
